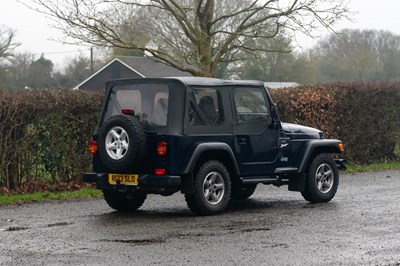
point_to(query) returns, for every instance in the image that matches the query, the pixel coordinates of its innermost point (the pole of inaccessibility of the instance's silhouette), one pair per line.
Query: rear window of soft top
(148, 101)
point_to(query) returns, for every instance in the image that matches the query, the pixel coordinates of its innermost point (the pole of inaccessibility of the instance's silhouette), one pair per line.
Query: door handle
(242, 141)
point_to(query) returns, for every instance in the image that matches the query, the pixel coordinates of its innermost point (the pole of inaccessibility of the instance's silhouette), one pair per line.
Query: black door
(255, 137)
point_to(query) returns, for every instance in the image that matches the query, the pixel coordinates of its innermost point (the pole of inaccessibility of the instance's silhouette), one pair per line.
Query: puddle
(16, 228)
(279, 245)
(135, 241)
(58, 224)
(256, 229)
(21, 228)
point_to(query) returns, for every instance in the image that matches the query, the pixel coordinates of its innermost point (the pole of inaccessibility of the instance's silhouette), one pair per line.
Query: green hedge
(365, 116)
(44, 133)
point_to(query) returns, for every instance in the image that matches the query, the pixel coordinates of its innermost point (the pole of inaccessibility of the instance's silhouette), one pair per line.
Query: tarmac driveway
(361, 226)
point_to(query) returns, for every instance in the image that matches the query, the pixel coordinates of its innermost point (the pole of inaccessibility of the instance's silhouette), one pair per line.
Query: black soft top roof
(194, 81)
(201, 81)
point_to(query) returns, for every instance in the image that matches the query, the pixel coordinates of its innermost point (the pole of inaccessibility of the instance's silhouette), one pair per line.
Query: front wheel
(322, 180)
(212, 189)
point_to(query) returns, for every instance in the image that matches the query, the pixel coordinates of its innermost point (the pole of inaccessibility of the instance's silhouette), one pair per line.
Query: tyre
(124, 201)
(212, 189)
(322, 180)
(240, 192)
(122, 143)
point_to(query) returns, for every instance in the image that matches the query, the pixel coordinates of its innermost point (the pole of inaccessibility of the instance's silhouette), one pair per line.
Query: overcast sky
(35, 34)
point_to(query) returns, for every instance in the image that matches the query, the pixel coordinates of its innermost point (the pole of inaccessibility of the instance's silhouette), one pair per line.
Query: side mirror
(274, 111)
(274, 116)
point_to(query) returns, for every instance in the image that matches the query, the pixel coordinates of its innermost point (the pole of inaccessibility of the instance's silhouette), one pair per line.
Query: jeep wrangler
(214, 140)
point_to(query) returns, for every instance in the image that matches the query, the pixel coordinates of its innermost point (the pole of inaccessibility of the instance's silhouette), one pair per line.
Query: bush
(365, 116)
(310, 106)
(44, 135)
(369, 119)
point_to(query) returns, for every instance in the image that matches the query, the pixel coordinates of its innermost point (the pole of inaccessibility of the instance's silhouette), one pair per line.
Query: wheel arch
(315, 147)
(212, 151)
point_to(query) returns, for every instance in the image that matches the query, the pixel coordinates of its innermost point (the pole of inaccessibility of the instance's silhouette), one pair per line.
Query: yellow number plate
(123, 179)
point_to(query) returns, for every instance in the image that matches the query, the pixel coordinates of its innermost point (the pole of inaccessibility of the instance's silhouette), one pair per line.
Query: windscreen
(148, 101)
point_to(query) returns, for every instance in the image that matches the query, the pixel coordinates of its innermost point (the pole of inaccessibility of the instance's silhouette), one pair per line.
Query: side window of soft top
(206, 108)
(250, 104)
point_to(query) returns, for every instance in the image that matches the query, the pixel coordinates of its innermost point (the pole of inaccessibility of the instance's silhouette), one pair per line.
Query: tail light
(162, 149)
(159, 171)
(92, 147)
(128, 112)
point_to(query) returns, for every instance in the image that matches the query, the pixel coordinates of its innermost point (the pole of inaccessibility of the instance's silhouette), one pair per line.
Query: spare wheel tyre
(122, 143)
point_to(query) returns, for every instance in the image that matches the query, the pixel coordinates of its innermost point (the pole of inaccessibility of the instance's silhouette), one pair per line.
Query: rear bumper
(156, 181)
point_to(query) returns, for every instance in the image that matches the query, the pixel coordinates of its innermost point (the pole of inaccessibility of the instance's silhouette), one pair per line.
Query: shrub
(365, 116)
(43, 134)
(310, 106)
(369, 119)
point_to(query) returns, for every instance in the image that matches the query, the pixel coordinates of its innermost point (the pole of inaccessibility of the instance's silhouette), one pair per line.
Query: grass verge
(372, 167)
(45, 196)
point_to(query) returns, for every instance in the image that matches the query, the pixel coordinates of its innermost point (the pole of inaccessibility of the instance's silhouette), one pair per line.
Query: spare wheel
(122, 143)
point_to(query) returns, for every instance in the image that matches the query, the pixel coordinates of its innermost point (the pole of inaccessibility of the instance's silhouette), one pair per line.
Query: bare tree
(267, 66)
(7, 42)
(190, 35)
(358, 55)
(17, 71)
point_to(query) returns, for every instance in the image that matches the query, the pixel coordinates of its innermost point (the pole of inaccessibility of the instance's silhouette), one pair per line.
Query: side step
(261, 179)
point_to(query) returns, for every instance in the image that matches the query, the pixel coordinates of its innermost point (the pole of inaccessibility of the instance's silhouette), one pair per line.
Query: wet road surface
(361, 226)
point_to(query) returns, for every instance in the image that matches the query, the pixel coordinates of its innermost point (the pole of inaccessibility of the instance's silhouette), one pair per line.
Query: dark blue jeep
(213, 140)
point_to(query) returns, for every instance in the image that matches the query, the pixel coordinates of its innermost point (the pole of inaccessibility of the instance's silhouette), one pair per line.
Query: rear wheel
(124, 201)
(322, 179)
(212, 189)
